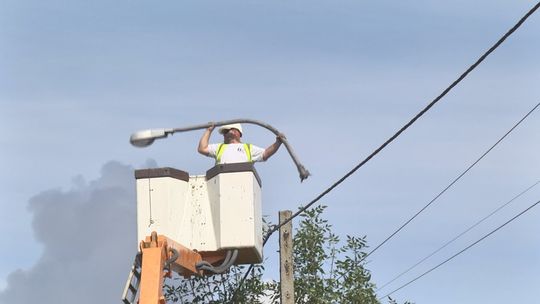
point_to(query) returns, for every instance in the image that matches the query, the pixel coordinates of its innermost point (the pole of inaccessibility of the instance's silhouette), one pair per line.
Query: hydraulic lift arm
(158, 253)
(159, 256)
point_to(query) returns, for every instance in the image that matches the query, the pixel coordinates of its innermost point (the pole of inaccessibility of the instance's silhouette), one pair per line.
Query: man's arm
(272, 149)
(203, 143)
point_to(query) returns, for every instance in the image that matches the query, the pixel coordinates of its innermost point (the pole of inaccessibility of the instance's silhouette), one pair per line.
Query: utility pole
(286, 258)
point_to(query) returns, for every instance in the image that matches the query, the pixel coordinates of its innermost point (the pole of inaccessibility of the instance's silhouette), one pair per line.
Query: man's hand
(203, 142)
(268, 152)
(280, 138)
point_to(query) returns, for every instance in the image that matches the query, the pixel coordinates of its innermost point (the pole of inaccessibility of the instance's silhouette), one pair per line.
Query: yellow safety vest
(221, 148)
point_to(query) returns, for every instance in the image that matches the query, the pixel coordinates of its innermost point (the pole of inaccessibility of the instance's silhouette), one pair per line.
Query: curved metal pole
(165, 132)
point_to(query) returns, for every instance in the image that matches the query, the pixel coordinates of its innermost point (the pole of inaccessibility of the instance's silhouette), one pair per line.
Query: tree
(220, 288)
(324, 272)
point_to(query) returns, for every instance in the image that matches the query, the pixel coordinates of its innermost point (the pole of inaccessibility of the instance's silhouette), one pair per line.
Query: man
(232, 150)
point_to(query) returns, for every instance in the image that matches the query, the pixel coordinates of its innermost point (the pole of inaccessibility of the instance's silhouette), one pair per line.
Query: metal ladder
(134, 280)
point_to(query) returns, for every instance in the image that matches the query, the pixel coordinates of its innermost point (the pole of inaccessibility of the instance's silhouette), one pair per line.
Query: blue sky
(338, 78)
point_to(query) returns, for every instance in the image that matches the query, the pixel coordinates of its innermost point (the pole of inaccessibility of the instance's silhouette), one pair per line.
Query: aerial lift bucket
(195, 225)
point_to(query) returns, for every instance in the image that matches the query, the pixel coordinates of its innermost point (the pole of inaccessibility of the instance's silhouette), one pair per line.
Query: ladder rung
(132, 285)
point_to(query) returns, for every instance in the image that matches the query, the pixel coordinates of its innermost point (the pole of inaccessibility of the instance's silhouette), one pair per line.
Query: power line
(405, 127)
(276, 227)
(460, 252)
(420, 114)
(459, 235)
(453, 182)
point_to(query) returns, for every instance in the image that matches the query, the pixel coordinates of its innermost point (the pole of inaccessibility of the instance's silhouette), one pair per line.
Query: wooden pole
(286, 258)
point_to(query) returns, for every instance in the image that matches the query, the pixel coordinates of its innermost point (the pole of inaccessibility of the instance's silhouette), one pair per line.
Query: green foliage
(219, 288)
(324, 272)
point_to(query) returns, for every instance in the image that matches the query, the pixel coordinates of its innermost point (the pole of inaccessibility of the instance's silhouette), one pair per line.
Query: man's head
(231, 133)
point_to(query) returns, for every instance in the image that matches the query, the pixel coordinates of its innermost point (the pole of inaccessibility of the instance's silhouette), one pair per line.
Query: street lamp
(145, 138)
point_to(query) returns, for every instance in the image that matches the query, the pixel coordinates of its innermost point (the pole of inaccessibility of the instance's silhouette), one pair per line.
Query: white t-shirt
(236, 153)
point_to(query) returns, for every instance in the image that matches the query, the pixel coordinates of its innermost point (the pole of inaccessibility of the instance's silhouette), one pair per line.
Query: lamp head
(145, 138)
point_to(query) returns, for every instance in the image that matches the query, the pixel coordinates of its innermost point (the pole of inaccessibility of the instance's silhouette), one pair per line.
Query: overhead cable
(406, 126)
(276, 227)
(460, 252)
(458, 236)
(420, 114)
(452, 183)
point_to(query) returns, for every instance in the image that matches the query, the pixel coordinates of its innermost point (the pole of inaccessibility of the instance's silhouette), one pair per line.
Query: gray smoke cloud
(88, 235)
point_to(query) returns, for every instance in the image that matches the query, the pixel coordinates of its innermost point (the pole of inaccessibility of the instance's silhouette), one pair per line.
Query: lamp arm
(301, 169)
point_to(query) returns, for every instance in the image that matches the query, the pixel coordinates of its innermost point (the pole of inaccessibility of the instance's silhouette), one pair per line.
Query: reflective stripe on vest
(221, 149)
